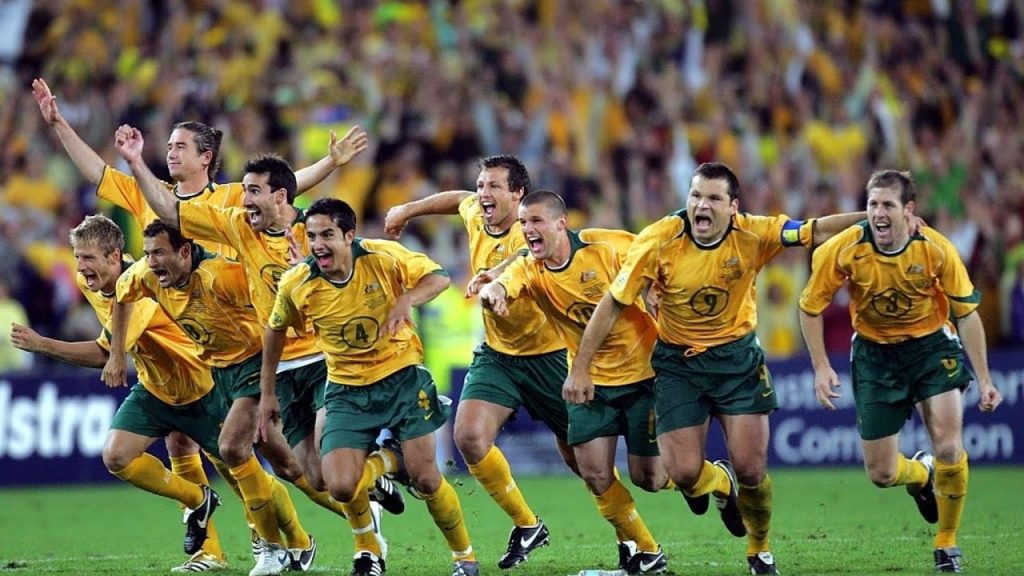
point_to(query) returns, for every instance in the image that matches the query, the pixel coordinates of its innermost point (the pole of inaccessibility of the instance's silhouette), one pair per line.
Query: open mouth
(883, 228)
(702, 223)
(255, 215)
(90, 279)
(488, 208)
(161, 275)
(536, 244)
(323, 259)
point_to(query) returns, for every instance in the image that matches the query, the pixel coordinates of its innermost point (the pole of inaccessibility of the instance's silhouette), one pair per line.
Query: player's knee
(234, 453)
(751, 475)
(116, 460)
(473, 444)
(881, 477)
(343, 492)
(949, 452)
(647, 480)
(427, 483)
(598, 481)
(178, 445)
(287, 471)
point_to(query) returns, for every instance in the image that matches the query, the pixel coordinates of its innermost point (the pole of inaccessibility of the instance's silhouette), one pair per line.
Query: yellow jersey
(348, 317)
(893, 297)
(263, 256)
(167, 362)
(525, 331)
(212, 308)
(708, 293)
(568, 295)
(124, 191)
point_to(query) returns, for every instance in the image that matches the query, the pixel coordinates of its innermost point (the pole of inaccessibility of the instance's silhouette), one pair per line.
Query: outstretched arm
(88, 353)
(972, 333)
(85, 158)
(115, 369)
(339, 153)
(440, 203)
(828, 226)
(129, 143)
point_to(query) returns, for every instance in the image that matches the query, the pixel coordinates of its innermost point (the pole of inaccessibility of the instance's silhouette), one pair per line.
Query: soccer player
(906, 352)
(703, 263)
(357, 296)
(566, 273)
(192, 161)
(262, 236)
(175, 391)
(207, 297)
(522, 360)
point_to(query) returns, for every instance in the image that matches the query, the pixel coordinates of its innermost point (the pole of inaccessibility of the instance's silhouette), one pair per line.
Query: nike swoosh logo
(428, 415)
(953, 373)
(767, 394)
(645, 566)
(859, 256)
(284, 557)
(260, 507)
(527, 542)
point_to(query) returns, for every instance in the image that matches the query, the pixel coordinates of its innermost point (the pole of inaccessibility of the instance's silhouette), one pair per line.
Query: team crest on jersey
(587, 276)
(593, 286)
(497, 256)
(731, 270)
(915, 269)
(374, 294)
(371, 287)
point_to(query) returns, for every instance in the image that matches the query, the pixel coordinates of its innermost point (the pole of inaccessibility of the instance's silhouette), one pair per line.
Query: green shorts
(513, 381)
(889, 379)
(729, 379)
(241, 380)
(144, 414)
(300, 392)
(617, 411)
(405, 402)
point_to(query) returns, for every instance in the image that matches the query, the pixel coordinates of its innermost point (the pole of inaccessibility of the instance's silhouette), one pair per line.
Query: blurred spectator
(610, 103)
(11, 312)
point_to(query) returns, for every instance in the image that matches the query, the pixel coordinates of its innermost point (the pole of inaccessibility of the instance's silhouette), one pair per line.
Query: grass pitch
(825, 522)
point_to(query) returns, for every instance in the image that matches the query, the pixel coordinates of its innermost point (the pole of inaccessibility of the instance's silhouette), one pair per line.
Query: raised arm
(828, 226)
(440, 203)
(88, 353)
(972, 333)
(129, 143)
(339, 153)
(85, 158)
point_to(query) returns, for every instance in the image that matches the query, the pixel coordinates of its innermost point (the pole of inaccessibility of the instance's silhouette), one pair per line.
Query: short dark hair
(158, 227)
(549, 199)
(338, 211)
(518, 177)
(719, 171)
(207, 138)
(281, 173)
(892, 179)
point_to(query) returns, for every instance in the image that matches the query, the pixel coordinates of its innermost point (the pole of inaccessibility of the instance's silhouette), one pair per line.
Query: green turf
(826, 522)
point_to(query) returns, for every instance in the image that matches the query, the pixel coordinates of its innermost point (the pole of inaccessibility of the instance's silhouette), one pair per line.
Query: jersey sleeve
(122, 190)
(469, 208)
(202, 221)
(963, 297)
(826, 277)
(131, 286)
(640, 266)
(515, 279)
(413, 266)
(286, 313)
(777, 233)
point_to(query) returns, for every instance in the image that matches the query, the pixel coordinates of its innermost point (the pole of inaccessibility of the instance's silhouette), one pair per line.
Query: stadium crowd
(612, 104)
